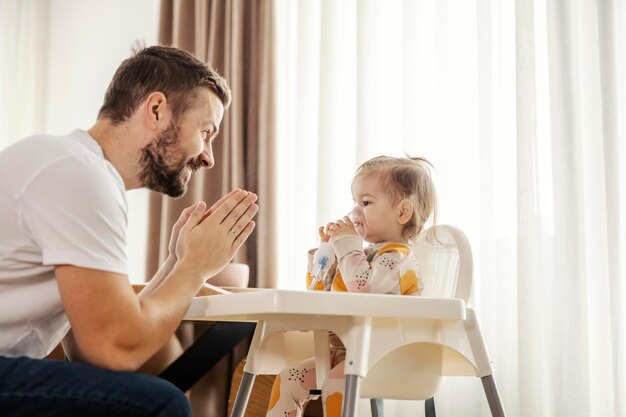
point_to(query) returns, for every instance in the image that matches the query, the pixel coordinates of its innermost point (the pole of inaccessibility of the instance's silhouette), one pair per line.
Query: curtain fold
(23, 72)
(236, 38)
(615, 154)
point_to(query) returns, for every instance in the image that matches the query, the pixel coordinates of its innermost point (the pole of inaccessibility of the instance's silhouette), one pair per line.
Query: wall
(87, 41)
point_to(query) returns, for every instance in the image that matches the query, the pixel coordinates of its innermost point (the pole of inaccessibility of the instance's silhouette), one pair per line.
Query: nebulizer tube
(322, 260)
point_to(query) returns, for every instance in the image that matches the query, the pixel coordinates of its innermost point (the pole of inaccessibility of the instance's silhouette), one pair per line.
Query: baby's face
(377, 218)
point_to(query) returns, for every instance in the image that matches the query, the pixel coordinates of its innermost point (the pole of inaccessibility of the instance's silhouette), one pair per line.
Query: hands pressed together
(206, 240)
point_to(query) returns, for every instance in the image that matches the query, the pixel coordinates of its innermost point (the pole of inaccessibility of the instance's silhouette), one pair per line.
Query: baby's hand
(324, 236)
(343, 227)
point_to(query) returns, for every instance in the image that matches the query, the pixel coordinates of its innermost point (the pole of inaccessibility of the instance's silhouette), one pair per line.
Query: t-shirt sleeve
(75, 211)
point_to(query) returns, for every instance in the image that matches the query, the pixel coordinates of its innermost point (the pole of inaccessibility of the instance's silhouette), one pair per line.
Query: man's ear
(405, 211)
(157, 112)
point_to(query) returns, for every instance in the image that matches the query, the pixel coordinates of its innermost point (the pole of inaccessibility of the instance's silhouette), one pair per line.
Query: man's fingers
(237, 211)
(243, 221)
(195, 215)
(223, 211)
(184, 216)
(243, 235)
(221, 201)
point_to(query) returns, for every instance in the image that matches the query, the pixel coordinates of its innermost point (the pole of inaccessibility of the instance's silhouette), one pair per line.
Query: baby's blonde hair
(405, 178)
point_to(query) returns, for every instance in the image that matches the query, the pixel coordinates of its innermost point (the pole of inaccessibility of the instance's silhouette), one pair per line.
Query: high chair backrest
(445, 259)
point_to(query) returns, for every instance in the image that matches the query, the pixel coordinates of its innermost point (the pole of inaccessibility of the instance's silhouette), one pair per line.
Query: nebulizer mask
(358, 220)
(325, 254)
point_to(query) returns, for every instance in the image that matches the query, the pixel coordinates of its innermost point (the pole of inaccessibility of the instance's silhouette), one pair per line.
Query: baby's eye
(366, 203)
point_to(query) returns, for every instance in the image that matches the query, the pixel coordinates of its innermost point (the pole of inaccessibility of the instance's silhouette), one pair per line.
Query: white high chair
(388, 338)
(446, 261)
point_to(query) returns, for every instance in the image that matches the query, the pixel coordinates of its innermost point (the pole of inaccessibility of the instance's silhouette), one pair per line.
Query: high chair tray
(253, 304)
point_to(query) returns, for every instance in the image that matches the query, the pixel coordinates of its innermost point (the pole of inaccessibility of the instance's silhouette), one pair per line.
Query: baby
(394, 198)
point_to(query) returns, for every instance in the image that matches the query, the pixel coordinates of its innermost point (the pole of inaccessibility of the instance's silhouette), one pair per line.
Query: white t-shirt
(61, 203)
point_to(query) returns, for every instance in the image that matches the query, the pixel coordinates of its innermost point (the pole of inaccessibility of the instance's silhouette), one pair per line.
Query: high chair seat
(388, 338)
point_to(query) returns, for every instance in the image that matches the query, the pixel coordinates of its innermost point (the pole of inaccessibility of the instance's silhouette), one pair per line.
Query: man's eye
(206, 134)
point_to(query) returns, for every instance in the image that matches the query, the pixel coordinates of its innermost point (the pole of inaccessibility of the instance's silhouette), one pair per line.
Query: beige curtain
(236, 38)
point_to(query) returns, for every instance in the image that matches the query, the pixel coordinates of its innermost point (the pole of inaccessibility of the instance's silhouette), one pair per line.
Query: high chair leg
(429, 407)
(493, 398)
(243, 394)
(351, 396)
(377, 407)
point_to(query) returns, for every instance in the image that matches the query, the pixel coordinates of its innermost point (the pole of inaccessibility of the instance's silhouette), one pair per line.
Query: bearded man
(63, 266)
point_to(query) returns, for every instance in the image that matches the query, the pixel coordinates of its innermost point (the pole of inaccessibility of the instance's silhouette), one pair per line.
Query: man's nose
(206, 158)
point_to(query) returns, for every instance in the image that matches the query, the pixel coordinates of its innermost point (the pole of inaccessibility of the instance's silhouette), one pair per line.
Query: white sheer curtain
(23, 58)
(521, 106)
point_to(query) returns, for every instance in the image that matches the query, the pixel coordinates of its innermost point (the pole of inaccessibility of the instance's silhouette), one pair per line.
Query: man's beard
(163, 164)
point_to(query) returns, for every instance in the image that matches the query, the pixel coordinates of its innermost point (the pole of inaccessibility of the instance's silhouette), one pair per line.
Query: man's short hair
(174, 72)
